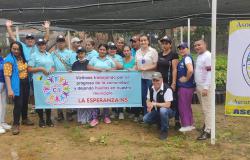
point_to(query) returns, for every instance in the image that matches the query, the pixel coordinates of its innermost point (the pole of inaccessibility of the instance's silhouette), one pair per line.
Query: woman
(129, 64)
(90, 47)
(16, 78)
(146, 60)
(101, 63)
(83, 114)
(3, 126)
(117, 59)
(167, 66)
(42, 61)
(128, 60)
(186, 87)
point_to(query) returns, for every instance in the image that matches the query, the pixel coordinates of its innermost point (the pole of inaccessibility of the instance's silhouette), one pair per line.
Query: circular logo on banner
(56, 89)
(246, 65)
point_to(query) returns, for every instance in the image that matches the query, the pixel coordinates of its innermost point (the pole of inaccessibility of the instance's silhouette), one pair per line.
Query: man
(203, 84)
(29, 46)
(135, 44)
(167, 65)
(63, 59)
(120, 45)
(159, 106)
(75, 43)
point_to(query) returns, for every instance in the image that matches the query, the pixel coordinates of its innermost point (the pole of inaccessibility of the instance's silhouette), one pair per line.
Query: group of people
(168, 82)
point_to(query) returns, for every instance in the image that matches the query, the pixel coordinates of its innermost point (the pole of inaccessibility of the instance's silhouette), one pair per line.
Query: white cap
(75, 39)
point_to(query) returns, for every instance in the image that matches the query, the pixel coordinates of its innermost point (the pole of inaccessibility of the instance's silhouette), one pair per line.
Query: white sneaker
(192, 127)
(185, 129)
(113, 115)
(2, 130)
(131, 116)
(136, 119)
(6, 126)
(121, 116)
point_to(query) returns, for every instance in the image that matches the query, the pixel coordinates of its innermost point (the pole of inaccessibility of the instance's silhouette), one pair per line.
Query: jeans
(160, 117)
(21, 102)
(2, 102)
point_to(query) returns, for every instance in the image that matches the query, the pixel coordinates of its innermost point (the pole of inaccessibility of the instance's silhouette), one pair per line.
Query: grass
(126, 140)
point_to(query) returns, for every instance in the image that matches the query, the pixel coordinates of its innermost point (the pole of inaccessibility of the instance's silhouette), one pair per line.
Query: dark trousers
(40, 114)
(21, 102)
(175, 105)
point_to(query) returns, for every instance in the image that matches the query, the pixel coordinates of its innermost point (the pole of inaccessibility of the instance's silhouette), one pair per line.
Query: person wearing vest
(159, 106)
(203, 88)
(186, 87)
(16, 78)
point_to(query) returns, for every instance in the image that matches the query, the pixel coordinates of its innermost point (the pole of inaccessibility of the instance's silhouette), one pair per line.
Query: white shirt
(168, 96)
(203, 70)
(145, 59)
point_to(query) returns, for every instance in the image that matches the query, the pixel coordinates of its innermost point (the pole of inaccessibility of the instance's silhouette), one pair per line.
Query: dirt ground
(126, 140)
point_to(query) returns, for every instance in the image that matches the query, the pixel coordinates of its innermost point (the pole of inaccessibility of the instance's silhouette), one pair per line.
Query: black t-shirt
(164, 65)
(80, 65)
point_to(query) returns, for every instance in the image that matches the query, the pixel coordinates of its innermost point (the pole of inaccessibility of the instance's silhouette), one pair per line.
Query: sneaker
(185, 129)
(121, 116)
(107, 120)
(113, 115)
(192, 127)
(60, 117)
(6, 126)
(49, 123)
(41, 123)
(204, 136)
(2, 130)
(136, 119)
(177, 125)
(33, 111)
(15, 129)
(94, 122)
(163, 135)
(27, 122)
(131, 116)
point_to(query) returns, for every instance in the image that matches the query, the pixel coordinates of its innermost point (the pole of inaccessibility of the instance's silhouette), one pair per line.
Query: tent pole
(69, 45)
(213, 50)
(188, 32)
(181, 34)
(17, 33)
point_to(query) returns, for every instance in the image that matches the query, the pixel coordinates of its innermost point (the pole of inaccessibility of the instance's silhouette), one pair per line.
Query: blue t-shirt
(39, 59)
(130, 64)
(133, 52)
(117, 57)
(92, 54)
(1, 70)
(28, 51)
(68, 56)
(106, 63)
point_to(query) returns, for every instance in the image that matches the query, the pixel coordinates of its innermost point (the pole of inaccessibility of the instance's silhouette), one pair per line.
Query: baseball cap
(183, 45)
(75, 39)
(134, 39)
(80, 49)
(111, 45)
(157, 75)
(40, 41)
(30, 36)
(166, 39)
(60, 38)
